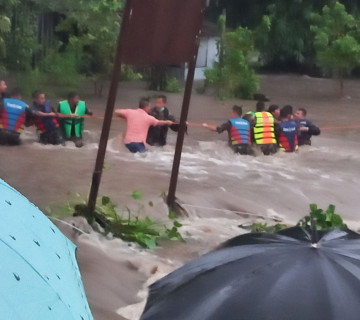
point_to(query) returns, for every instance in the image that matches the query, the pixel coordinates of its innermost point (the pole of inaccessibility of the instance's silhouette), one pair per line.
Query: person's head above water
(73, 98)
(161, 101)
(286, 112)
(300, 114)
(38, 97)
(145, 104)
(3, 86)
(260, 106)
(274, 110)
(16, 94)
(236, 112)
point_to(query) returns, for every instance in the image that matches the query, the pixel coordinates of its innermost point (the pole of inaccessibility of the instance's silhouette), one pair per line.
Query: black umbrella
(283, 276)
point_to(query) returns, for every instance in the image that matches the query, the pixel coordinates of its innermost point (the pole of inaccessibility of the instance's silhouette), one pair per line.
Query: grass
(121, 224)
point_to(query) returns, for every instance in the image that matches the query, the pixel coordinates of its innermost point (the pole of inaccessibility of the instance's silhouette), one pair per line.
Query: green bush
(57, 75)
(128, 74)
(61, 69)
(31, 80)
(323, 219)
(233, 76)
(172, 85)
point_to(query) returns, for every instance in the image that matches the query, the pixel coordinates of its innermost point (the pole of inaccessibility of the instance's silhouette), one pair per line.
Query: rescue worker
(288, 130)
(264, 130)
(307, 128)
(14, 114)
(138, 124)
(71, 123)
(157, 135)
(238, 130)
(275, 111)
(45, 120)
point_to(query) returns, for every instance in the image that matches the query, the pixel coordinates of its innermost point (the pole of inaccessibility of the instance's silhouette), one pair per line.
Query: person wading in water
(138, 124)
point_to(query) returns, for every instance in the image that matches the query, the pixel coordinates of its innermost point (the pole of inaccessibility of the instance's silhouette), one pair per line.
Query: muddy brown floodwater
(220, 190)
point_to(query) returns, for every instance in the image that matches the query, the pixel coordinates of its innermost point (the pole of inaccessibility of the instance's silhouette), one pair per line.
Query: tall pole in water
(182, 130)
(108, 112)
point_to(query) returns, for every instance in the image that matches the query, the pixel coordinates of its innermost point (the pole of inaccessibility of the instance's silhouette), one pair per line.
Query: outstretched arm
(211, 127)
(224, 127)
(165, 123)
(120, 113)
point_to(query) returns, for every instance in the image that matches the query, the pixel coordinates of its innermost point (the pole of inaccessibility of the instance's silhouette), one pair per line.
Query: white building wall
(206, 58)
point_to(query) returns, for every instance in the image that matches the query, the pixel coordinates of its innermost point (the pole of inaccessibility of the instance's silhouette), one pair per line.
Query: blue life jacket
(240, 131)
(13, 115)
(45, 124)
(288, 140)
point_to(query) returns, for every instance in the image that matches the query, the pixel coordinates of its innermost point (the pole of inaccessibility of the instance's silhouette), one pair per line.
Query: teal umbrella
(39, 275)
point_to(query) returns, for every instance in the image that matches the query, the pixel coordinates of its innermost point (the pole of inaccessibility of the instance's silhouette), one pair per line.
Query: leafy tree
(93, 27)
(5, 27)
(284, 38)
(336, 41)
(233, 75)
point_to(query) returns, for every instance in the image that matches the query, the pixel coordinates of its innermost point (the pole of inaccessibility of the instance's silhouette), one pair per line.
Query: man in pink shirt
(138, 123)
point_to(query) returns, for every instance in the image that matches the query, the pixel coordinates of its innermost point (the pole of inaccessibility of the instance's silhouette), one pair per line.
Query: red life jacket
(288, 140)
(46, 124)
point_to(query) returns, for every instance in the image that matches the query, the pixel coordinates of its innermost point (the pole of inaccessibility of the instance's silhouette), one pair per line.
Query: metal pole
(182, 129)
(108, 112)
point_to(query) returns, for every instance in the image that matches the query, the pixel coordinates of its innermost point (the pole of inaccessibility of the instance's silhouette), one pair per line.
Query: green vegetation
(57, 44)
(172, 85)
(145, 232)
(337, 41)
(283, 37)
(5, 25)
(122, 223)
(323, 219)
(129, 74)
(233, 75)
(264, 227)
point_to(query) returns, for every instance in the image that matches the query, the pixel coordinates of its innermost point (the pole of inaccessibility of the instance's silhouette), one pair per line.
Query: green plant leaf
(331, 209)
(137, 195)
(172, 215)
(325, 220)
(105, 200)
(177, 224)
(313, 207)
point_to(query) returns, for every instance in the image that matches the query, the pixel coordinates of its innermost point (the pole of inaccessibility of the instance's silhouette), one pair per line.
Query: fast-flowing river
(220, 191)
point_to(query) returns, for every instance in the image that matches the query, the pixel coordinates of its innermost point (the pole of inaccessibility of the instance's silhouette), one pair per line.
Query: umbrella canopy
(39, 275)
(280, 276)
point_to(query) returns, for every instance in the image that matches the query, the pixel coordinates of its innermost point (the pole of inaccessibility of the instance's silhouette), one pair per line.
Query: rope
(198, 124)
(68, 224)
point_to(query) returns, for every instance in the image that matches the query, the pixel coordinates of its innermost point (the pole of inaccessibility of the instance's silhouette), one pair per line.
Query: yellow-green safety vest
(264, 132)
(78, 123)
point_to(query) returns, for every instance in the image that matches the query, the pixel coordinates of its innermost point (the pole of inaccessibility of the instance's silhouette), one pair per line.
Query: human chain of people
(267, 129)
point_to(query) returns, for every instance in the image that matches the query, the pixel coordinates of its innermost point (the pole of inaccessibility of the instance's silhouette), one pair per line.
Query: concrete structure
(208, 54)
